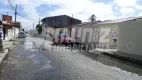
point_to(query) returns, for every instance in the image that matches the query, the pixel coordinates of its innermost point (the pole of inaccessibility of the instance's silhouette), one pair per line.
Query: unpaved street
(29, 61)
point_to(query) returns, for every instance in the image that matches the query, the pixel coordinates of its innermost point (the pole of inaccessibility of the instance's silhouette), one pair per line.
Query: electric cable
(13, 8)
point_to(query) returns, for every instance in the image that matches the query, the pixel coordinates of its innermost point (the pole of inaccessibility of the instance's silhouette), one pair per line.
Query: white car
(21, 35)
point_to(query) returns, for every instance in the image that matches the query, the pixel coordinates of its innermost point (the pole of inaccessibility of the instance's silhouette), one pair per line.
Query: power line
(13, 8)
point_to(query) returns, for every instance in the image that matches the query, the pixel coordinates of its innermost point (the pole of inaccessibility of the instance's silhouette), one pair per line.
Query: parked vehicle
(34, 34)
(21, 35)
(62, 39)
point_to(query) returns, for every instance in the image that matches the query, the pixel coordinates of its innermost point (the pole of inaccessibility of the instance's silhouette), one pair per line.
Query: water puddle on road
(36, 55)
(28, 62)
(28, 45)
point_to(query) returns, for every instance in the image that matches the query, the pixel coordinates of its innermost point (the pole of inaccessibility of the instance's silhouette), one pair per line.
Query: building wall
(43, 31)
(106, 36)
(64, 30)
(16, 32)
(53, 31)
(100, 34)
(10, 34)
(6, 34)
(86, 34)
(130, 37)
(46, 35)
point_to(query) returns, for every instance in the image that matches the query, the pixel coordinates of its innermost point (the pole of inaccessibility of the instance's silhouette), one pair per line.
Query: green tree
(39, 28)
(92, 18)
(23, 29)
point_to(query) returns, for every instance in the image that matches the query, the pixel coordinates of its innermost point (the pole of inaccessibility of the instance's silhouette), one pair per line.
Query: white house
(10, 31)
(10, 28)
(55, 24)
(126, 31)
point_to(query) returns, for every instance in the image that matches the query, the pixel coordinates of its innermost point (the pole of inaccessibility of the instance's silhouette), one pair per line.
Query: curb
(124, 58)
(3, 55)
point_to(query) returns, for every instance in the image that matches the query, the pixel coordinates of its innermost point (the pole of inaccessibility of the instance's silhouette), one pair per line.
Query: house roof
(85, 23)
(8, 26)
(111, 21)
(118, 20)
(11, 24)
(54, 16)
(60, 21)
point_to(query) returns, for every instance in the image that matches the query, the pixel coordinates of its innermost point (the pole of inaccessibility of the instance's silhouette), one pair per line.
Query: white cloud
(140, 14)
(3, 1)
(85, 9)
(29, 7)
(4, 11)
(81, 9)
(26, 24)
(126, 10)
(139, 7)
(126, 3)
(69, 7)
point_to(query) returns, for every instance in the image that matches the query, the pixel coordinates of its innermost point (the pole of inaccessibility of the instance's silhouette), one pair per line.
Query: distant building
(56, 24)
(10, 28)
(60, 21)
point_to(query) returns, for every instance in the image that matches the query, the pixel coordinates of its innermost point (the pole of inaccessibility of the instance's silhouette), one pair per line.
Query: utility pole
(7, 13)
(33, 27)
(1, 34)
(72, 20)
(53, 27)
(71, 25)
(15, 19)
(39, 20)
(15, 12)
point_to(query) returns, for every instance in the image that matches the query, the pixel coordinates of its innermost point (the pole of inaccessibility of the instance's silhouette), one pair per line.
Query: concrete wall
(130, 40)
(64, 30)
(87, 34)
(6, 34)
(106, 33)
(16, 32)
(102, 34)
(46, 35)
(54, 31)
(10, 34)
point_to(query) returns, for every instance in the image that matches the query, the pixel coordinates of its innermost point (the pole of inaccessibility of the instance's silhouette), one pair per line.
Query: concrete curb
(3, 55)
(124, 58)
(113, 54)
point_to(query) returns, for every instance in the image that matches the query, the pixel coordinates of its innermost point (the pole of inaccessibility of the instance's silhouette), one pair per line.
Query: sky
(32, 10)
